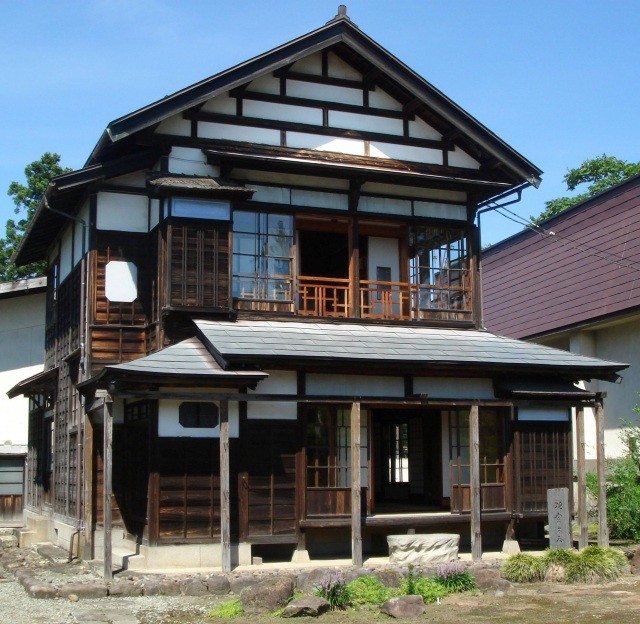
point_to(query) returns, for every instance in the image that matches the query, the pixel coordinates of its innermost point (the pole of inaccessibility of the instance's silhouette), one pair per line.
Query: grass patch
(428, 587)
(595, 564)
(226, 609)
(559, 556)
(523, 568)
(368, 590)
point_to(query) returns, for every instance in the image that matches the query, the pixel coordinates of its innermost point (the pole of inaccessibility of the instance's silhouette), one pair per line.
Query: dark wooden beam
(356, 503)
(225, 500)
(107, 485)
(603, 528)
(326, 80)
(474, 469)
(583, 539)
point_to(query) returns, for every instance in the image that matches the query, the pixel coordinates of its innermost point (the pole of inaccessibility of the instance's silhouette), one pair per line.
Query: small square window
(197, 415)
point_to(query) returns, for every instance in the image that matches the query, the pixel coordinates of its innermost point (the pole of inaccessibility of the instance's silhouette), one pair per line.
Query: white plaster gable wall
(190, 161)
(21, 356)
(122, 212)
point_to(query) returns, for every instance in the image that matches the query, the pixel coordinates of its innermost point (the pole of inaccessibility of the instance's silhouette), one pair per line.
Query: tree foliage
(26, 198)
(599, 173)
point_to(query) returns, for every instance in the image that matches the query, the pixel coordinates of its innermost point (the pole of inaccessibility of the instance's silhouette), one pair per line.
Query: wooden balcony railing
(333, 297)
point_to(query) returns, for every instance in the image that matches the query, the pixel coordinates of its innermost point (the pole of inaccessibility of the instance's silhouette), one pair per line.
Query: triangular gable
(360, 56)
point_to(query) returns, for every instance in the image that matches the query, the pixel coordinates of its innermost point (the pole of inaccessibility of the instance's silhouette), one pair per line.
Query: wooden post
(583, 539)
(88, 545)
(603, 529)
(474, 474)
(356, 505)
(225, 512)
(107, 484)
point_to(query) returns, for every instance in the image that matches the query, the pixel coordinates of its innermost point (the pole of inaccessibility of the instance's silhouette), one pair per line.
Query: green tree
(26, 198)
(599, 173)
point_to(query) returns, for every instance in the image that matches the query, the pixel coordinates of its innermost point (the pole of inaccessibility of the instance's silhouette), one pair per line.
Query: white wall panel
(454, 388)
(222, 104)
(66, 251)
(121, 281)
(309, 64)
(459, 158)
(266, 84)
(154, 213)
(282, 112)
(409, 191)
(169, 425)
(405, 152)
(355, 385)
(421, 130)
(289, 179)
(230, 132)
(325, 144)
(190, 161)
(354, 121)
(328, 93)
(319, 200)
(440, 211)
(271, 194)
(543, 413)
(80, 232)
(340, 69)
(176, 125)
(384, 205)
(122, 212)
(278, 382)
(381, 99)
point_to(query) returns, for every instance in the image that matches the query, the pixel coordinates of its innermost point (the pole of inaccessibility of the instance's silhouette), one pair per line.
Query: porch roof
(421, 348)
(188, 360)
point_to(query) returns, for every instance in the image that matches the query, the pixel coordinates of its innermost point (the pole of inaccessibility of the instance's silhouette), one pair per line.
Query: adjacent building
(264, 328)
(574, 283)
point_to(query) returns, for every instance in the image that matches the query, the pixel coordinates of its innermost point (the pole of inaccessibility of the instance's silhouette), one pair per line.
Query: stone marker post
(559, 518)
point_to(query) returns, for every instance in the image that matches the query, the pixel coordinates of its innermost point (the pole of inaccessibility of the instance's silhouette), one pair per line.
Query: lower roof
(419, 347)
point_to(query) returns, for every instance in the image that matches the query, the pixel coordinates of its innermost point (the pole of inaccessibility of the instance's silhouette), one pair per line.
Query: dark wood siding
(588, 269)
(198, 256)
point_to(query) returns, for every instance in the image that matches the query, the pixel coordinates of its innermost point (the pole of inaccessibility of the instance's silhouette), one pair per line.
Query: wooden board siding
(122, 331)
(184, 490)
(268, 482)
(587, 270)
(542, 460)
(62, 326)
(198, 255)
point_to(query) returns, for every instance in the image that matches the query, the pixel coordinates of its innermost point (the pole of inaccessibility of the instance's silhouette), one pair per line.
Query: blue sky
(556, 79)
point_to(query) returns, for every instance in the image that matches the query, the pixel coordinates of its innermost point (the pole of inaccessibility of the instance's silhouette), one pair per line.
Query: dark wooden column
(107, 484)
(225, 511)
(474, 474)
(356, 505)
(603, 529)
(583, 539)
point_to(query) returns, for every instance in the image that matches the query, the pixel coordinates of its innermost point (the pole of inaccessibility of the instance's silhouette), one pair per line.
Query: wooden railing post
(356, 504)
(474, 473)
(603, 529)
(107, 484)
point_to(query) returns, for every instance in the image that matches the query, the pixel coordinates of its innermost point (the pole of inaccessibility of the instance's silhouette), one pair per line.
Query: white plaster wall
(122, 212)
(460, 158)
(384, 205)
(543, 413)
(441, 211)
(454, 387)
(21, 356)
(278, 382)
(311, 64)
(328, 93)
(354, 121)
(409, 191)
(272, 194)
(338, 68)
(266, 84)
(325, 144)
(288, 179)
(383, 252)
(405, 152)
(154, 213)
(230, 132)
(66, 251)
(170, 427)
(282, 112)
(137, 179)
(190, 161)
(320, 200)
(78, 248)
(379, 98)
(422, 130)
(224, 104)
(176, 125)
(355, 385)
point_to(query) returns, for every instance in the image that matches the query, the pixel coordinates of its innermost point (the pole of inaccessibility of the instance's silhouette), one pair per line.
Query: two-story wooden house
(264, 328)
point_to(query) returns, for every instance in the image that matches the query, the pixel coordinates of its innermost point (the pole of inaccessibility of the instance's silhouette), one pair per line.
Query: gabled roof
(418, 348)
(340, 31)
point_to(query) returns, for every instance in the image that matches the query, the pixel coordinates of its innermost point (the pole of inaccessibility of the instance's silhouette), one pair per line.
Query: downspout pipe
(493, 206)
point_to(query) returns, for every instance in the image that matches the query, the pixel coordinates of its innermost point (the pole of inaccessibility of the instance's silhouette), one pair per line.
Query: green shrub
(429, 588)
(333, 588)
(226, 609)
(595, 564)
(623, 499)
(368, 590)
(523, 568)
(559, 557)
(454, 577)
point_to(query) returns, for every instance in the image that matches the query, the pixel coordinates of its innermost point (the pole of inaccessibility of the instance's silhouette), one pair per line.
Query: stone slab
(423, 548)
